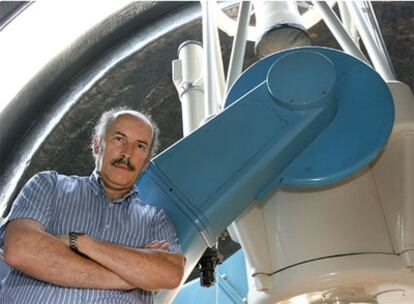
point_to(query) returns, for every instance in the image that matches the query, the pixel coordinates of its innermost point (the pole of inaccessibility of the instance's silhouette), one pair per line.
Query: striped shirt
(71, 203)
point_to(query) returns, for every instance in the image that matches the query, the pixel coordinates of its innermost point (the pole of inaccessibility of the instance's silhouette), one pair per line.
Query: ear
(95, 143)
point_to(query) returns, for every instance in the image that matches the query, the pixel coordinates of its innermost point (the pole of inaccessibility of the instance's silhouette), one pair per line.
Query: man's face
(126, 152)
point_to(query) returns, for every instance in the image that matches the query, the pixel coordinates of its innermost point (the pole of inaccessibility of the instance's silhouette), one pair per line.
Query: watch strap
(73, 240)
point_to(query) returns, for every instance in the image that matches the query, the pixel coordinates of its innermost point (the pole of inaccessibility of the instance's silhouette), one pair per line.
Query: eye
(118, 139)
(141, 146)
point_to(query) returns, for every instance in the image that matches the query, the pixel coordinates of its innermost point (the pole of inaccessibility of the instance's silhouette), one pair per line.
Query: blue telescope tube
(206, 180)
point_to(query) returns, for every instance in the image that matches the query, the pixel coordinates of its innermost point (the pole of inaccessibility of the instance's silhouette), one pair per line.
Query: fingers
(156, 244)
(162, 245)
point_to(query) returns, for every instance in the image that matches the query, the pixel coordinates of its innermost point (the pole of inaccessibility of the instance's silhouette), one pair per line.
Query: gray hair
(108, 118)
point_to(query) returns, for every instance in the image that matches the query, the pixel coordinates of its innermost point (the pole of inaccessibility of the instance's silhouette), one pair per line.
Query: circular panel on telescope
(361, 127)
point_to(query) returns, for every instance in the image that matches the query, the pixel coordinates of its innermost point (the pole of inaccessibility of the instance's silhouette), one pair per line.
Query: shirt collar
(98, 187)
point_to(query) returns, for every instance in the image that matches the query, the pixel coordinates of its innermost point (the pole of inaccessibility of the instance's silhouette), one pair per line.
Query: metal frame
(376, 51)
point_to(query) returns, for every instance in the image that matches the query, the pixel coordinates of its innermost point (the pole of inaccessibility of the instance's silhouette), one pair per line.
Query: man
(73, 239)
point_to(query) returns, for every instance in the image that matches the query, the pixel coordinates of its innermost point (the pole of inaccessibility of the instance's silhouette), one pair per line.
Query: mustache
(123, 161)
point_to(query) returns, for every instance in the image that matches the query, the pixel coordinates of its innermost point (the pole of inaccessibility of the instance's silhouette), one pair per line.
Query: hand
(63, 238)
(161, 245)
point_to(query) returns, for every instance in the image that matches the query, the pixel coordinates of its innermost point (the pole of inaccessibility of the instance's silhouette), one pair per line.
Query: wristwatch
(73, 240)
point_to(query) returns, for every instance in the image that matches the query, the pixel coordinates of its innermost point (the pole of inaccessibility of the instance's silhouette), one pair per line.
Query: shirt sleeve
(163, 229)
(35, 201)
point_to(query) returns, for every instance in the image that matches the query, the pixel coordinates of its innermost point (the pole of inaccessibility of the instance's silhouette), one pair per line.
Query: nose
(127, 150)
